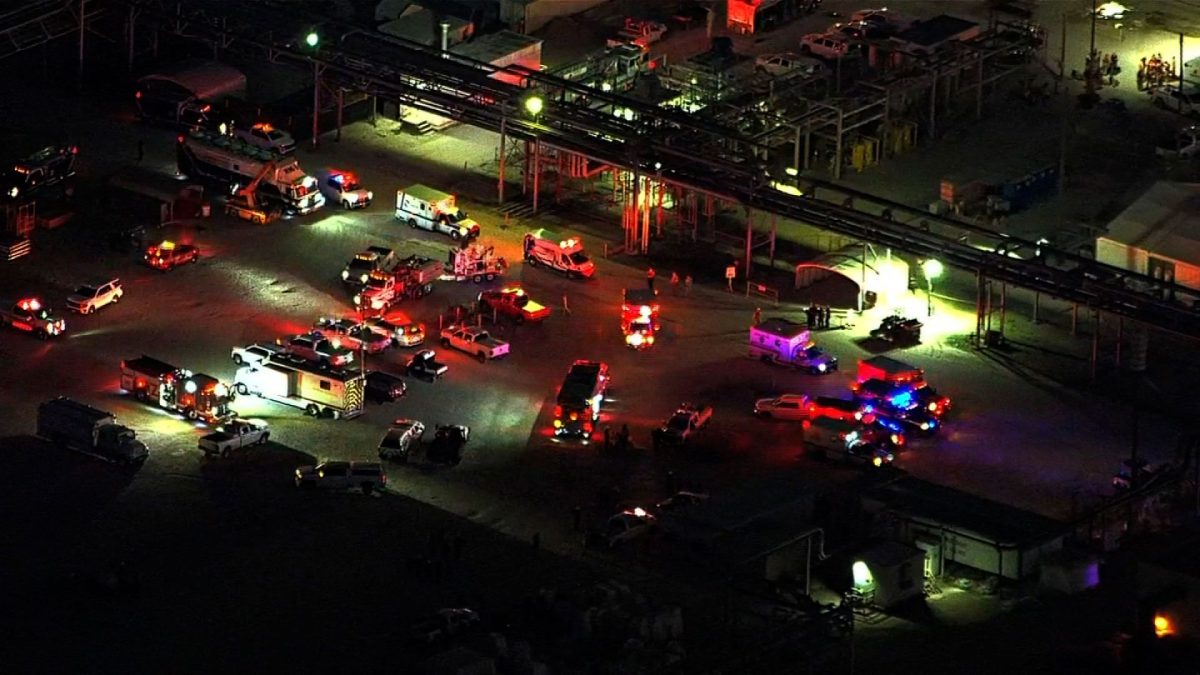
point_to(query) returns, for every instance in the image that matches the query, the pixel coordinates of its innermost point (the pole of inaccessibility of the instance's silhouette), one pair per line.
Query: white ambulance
(561, 254)
(434, 210)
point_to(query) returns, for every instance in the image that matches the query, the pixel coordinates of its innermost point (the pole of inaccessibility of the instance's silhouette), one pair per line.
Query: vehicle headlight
(370, 195)
(363, 278)
(358, 299)
(822, 367)
(345, 274)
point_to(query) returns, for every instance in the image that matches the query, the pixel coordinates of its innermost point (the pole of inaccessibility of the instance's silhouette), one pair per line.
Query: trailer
(476, 262)
(85, 429)
(196, 396)
(318, 390)
(232, 162)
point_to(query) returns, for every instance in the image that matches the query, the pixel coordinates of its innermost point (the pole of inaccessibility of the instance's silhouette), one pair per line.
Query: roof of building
(421, 26)
(1165, 221)
(966, 513)
(939, 29)
(493, 46)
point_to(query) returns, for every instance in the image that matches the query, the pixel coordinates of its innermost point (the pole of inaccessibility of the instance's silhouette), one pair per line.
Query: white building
(1158, 235)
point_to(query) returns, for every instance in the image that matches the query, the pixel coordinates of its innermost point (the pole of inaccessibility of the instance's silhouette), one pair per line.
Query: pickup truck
(687, 420)
(513, 303)
(233, 436)
(424, 364)
(252, 355)
(641, 33)
(31, 316)
(475, 341)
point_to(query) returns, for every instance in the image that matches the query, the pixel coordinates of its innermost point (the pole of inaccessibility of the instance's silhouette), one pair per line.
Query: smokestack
(445, 34)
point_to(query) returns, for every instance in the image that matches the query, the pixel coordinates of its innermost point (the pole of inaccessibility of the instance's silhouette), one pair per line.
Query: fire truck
(639, 318)
(412, 278)
(231, 162)
(476, 262)
(318, 390)
(45, 171)
(577, 407)
(194, 395)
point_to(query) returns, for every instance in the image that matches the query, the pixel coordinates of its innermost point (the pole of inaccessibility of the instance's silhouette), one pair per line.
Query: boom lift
(246, 206)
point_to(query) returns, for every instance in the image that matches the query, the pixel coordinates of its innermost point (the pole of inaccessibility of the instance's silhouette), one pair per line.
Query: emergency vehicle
(563, 255)
(787, 343)
(316, 389)
(341, 187)
(370, 259)
(412, 278)
(231, 162)
(194, 395)
(47, 168)
(900, 373)
(845, 440)
(513, 302)
(403, 333)
(32, 316)
(577, 407)
(476, 262)
(168, 255)
(434, 210)
(639, 318)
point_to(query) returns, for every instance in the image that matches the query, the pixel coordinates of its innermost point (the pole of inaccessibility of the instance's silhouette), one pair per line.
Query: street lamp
(933, 269)
(534, 105)
(312, 39)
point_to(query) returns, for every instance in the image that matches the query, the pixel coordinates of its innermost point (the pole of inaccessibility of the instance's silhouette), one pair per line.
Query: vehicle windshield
(349, 184)
(276, 135)
(678, 423)
(812, 352)
(578, 257)
(360, 264)
(376, 282)
(521, 300)
(457, 217)
(86, 291)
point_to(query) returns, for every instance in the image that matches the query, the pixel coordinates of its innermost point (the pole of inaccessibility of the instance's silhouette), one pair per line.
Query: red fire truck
(639, 318)
(196, 396)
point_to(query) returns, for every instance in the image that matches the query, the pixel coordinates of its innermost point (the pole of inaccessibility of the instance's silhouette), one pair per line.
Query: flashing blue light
(903, 400)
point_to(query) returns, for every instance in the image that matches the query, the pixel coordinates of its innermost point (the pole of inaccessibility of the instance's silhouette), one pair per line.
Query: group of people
(818, 316)
(675, 290)
(1155, 71)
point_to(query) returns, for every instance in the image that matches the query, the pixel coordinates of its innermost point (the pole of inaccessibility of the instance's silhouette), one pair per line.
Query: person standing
(687, 285)
(650, 274)
(1141, 74)
(757, 315)
(810, 313)
(825, 316)
(674, 283)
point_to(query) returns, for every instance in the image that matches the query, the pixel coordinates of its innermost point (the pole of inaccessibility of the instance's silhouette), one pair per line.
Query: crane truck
(245, 204)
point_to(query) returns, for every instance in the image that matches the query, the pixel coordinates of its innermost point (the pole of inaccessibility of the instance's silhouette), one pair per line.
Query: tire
(490, 276)
(765, 359)
(766, 415)
(195, 259)
(238, 360)
(814, 371)
(367, 488)
(90, 309)
(1159, 103)
(140, 395)
(481, 357)
(312, 410)
(445, 343)
(241, 389)
(477, 279)
(531, 261)
(805, 49)
(265, 437)
(190, 413)
(456, 235)
(412, 222)
(225, 453)
(346, 204)
(43, 335)
(116, 299)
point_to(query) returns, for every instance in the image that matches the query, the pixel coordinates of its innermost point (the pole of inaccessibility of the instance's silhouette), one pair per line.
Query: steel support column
(537, 172)
(131, 35)
(341, 102)
(749, 240)
(979, 88)
(82, 32)
(933, 107)
(837, 161)
(1095, 342)
(316, 107)
(774, 231)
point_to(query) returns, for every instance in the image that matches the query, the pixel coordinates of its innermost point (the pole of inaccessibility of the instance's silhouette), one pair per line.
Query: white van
(434, 210)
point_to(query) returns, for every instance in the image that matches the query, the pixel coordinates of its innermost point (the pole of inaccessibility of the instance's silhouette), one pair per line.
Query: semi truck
(318, 390)
(196, 396)
(423, 207)
(85, 429)
(231, 163)
(577, 406)
(787, 343)
(476, 262)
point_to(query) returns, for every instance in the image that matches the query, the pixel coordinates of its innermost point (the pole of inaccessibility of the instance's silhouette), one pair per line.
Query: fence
(755, 289)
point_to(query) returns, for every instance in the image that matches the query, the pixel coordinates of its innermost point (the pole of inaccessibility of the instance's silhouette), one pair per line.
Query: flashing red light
(574, 416)
(805, 424)
(558, 411)
(179, 138)
(138, 95)
(653, 65)
(74, 149)
(587, 427)
(140, 383)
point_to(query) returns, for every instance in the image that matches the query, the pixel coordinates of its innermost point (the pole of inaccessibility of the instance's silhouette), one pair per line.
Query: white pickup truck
(475, 341)
(234, 436)
(687, 420)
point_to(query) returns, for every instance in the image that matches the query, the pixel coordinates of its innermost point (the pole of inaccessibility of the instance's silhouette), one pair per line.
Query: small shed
(1158, 235)
(839, 276)
(956, 526)
(888, 573)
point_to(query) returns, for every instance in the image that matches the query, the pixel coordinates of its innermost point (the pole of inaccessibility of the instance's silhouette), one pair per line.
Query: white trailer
(318, 390)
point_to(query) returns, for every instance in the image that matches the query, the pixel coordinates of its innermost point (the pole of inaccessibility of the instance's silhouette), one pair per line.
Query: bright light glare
(534, 105)
(312, 39)
(862, 575)
(1162, 626)
(932, 268)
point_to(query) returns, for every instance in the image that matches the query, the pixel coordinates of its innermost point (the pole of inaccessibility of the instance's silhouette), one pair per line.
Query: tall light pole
(932, 269)
(313, 40)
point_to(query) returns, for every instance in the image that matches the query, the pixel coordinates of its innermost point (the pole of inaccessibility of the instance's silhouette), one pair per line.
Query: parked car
(255, 354)
(424, 364)
(1170, 97)
(784, 407)
(384, 387)
(779, 65)
(91, 297)
(825, 45)
(267, 137)
(365, 476)
(401, 439)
